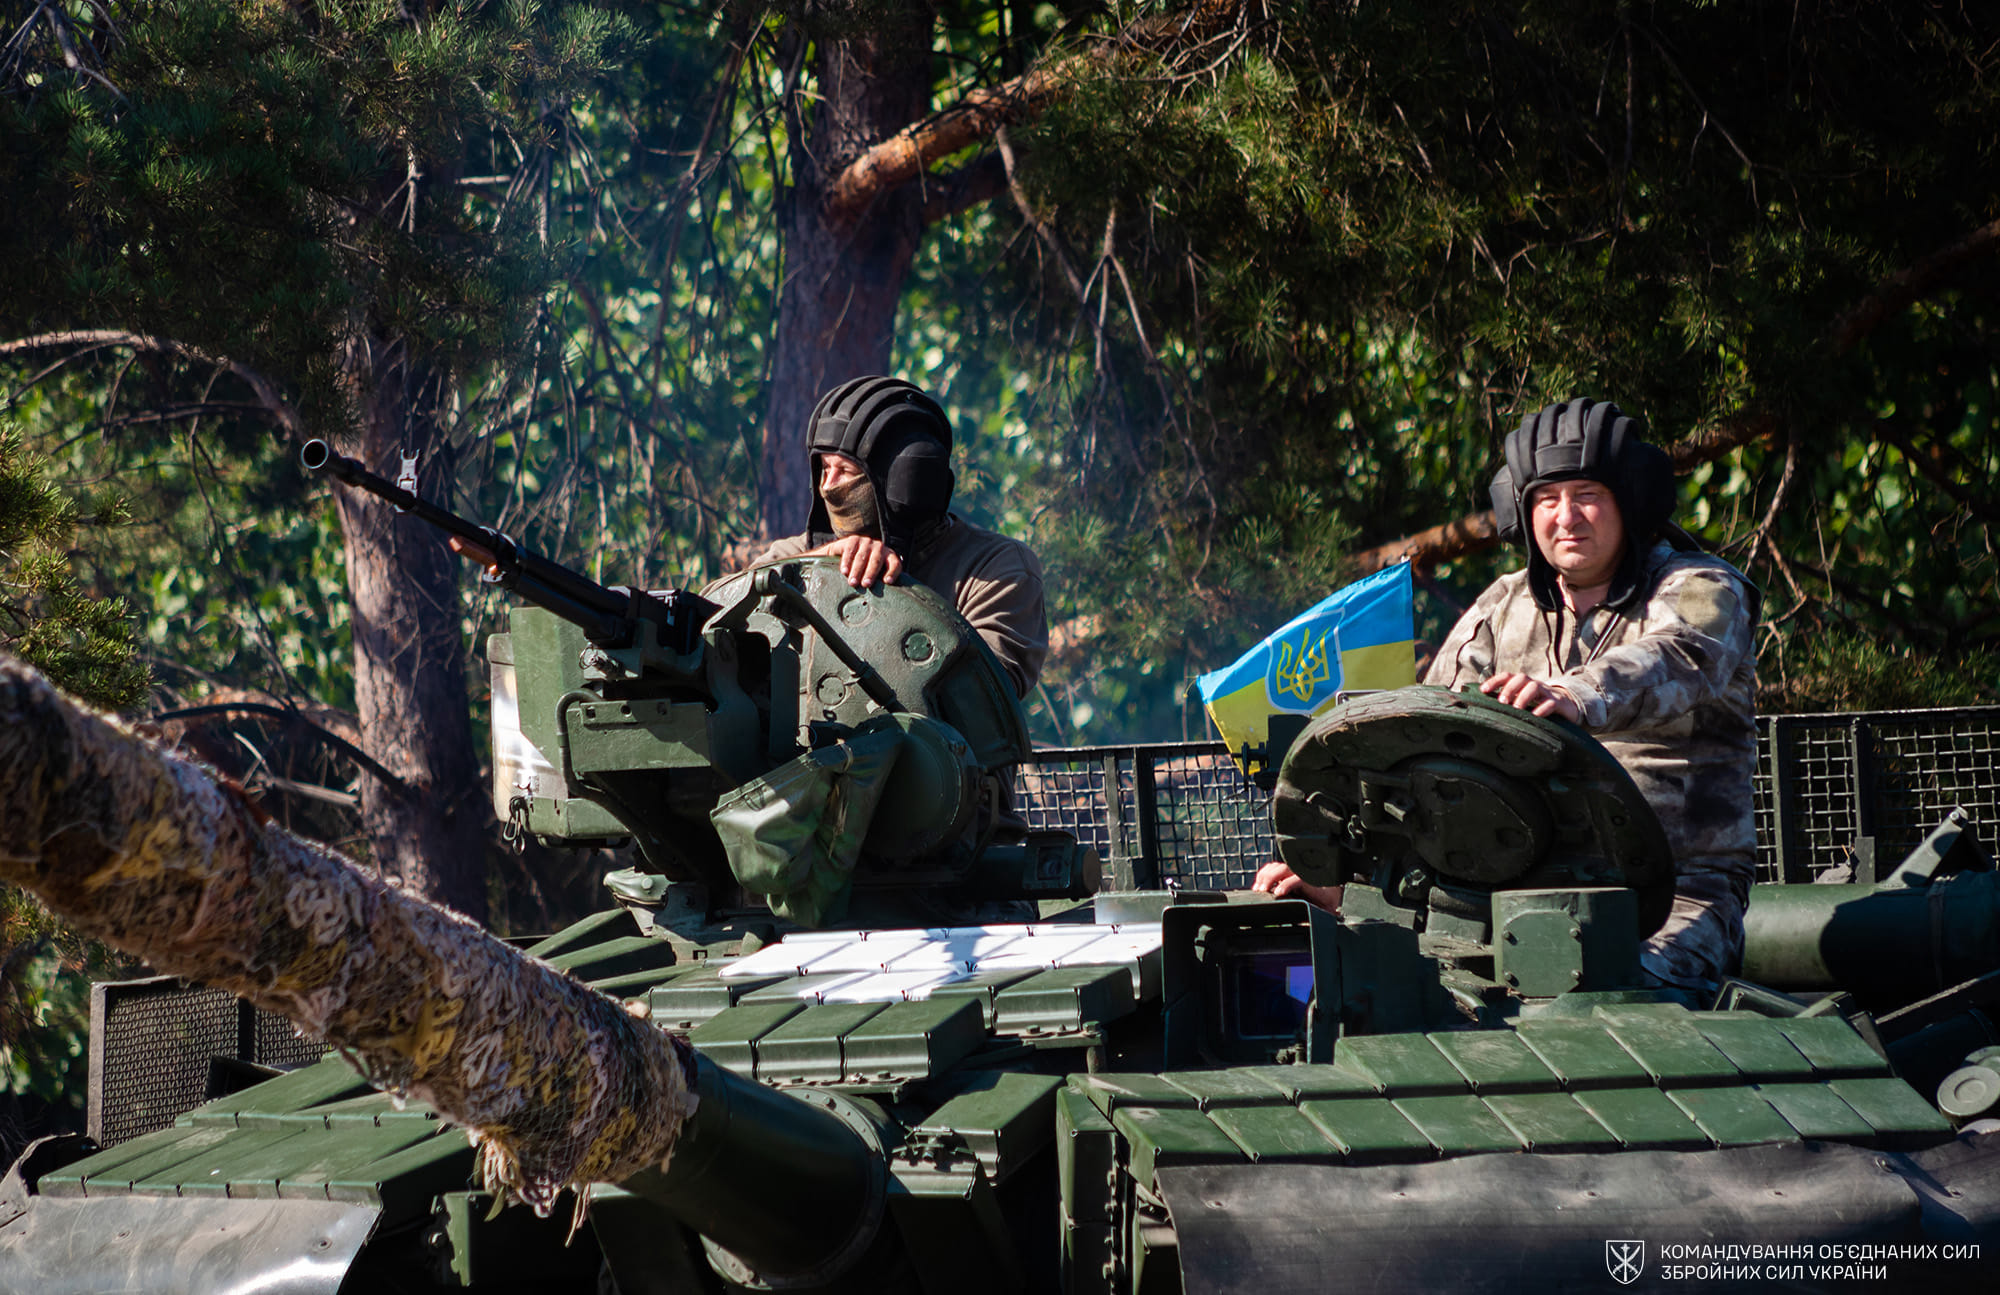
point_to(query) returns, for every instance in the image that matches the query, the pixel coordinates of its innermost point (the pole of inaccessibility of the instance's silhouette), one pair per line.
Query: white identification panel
(884, 966)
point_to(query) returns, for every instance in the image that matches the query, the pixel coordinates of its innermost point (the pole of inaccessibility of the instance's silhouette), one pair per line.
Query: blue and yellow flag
(1363, 636)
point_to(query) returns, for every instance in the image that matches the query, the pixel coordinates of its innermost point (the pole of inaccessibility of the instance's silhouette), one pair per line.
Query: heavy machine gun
(610, 616)
(764, 709)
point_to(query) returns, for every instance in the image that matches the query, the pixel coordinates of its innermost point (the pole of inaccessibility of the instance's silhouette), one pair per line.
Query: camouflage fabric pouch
(793, 836)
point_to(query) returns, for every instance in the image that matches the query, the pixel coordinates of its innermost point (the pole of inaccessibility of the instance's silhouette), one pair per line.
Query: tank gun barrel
(786, 1186)
(780, 1185)
(609, 614)
(153, 854)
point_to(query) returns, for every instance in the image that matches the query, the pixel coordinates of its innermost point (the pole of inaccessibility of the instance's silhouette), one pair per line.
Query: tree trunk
(842, 280)
(409, 653)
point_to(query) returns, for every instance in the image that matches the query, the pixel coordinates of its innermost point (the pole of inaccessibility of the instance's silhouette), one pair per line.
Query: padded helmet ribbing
(902, 439)
(1591, 440)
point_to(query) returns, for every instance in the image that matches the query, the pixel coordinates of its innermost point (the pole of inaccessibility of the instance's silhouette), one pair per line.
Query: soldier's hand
(864, 560)
(1277, 879)
(1525, 692)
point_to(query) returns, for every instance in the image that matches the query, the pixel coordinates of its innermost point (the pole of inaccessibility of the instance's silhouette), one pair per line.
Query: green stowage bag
(793, 836)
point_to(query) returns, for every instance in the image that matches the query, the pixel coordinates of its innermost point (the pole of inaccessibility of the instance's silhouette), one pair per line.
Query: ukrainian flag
(1363, 636)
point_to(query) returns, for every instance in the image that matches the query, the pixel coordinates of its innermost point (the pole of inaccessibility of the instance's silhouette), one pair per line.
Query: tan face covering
(852, 509)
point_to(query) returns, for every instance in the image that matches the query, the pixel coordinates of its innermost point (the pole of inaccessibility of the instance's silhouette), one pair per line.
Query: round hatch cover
(1482, 795)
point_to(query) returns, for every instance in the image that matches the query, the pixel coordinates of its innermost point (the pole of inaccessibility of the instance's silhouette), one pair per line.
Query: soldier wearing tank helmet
(882, 481)
(1621, 624)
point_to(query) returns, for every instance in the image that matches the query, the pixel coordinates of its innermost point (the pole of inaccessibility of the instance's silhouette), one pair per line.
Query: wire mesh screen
(151, 1042)
(1926, 766)
(1808, 813)
(1859, 788)
(275, 1043)
(150, 1045)
(1865, 788)
(1213, 826)
(1076, 790)
(1178, 813)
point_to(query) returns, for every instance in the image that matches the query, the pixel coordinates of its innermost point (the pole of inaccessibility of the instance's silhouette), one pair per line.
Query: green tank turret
(1463, 1082)
(723, 733)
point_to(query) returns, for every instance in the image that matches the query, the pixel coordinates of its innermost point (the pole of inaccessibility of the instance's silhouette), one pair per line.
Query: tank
(934, 1051)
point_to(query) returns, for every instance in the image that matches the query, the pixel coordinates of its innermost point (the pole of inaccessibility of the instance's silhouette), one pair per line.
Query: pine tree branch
(16, 65)
(1059, 252)
(947, 195)
(275, 405)
(975, 118)
(908, 153)
(1934, 468)
(1899, 291)
(1050, 238)
(175, 414)
(1707, 444)
(1760, 539)
(1471, 533)
(320, 729)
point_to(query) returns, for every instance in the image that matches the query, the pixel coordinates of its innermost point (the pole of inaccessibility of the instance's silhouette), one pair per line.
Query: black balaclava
(902, 440)
(1591, 440)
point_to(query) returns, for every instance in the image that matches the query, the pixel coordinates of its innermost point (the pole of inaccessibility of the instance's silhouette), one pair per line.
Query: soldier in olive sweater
(882, 481)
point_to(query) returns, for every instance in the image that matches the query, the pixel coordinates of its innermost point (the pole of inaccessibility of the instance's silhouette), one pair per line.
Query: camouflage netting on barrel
(558, 1085)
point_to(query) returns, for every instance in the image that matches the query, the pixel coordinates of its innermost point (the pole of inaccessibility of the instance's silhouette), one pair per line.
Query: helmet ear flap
(1505, 491)
(1647, 488)
(1640, 473)
(1506, 506)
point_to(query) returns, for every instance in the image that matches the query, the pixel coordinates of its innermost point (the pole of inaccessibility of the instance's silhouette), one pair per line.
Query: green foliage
(627, 442)
(45, 975)
(263, 180)
(1337, 261)
(229, 574)
(84, 643)
(1839, 673)
(282, 188)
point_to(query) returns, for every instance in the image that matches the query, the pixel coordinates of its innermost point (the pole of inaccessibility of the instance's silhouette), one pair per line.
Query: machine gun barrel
(609, 615)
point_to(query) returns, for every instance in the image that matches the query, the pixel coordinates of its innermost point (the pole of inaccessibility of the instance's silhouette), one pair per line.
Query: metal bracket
(406, 476)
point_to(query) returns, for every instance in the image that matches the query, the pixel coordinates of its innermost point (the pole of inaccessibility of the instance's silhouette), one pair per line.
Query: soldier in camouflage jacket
(1621, 625)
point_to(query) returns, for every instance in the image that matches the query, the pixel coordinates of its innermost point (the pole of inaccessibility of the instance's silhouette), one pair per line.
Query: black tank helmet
(1590, 440)
(902, 440)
